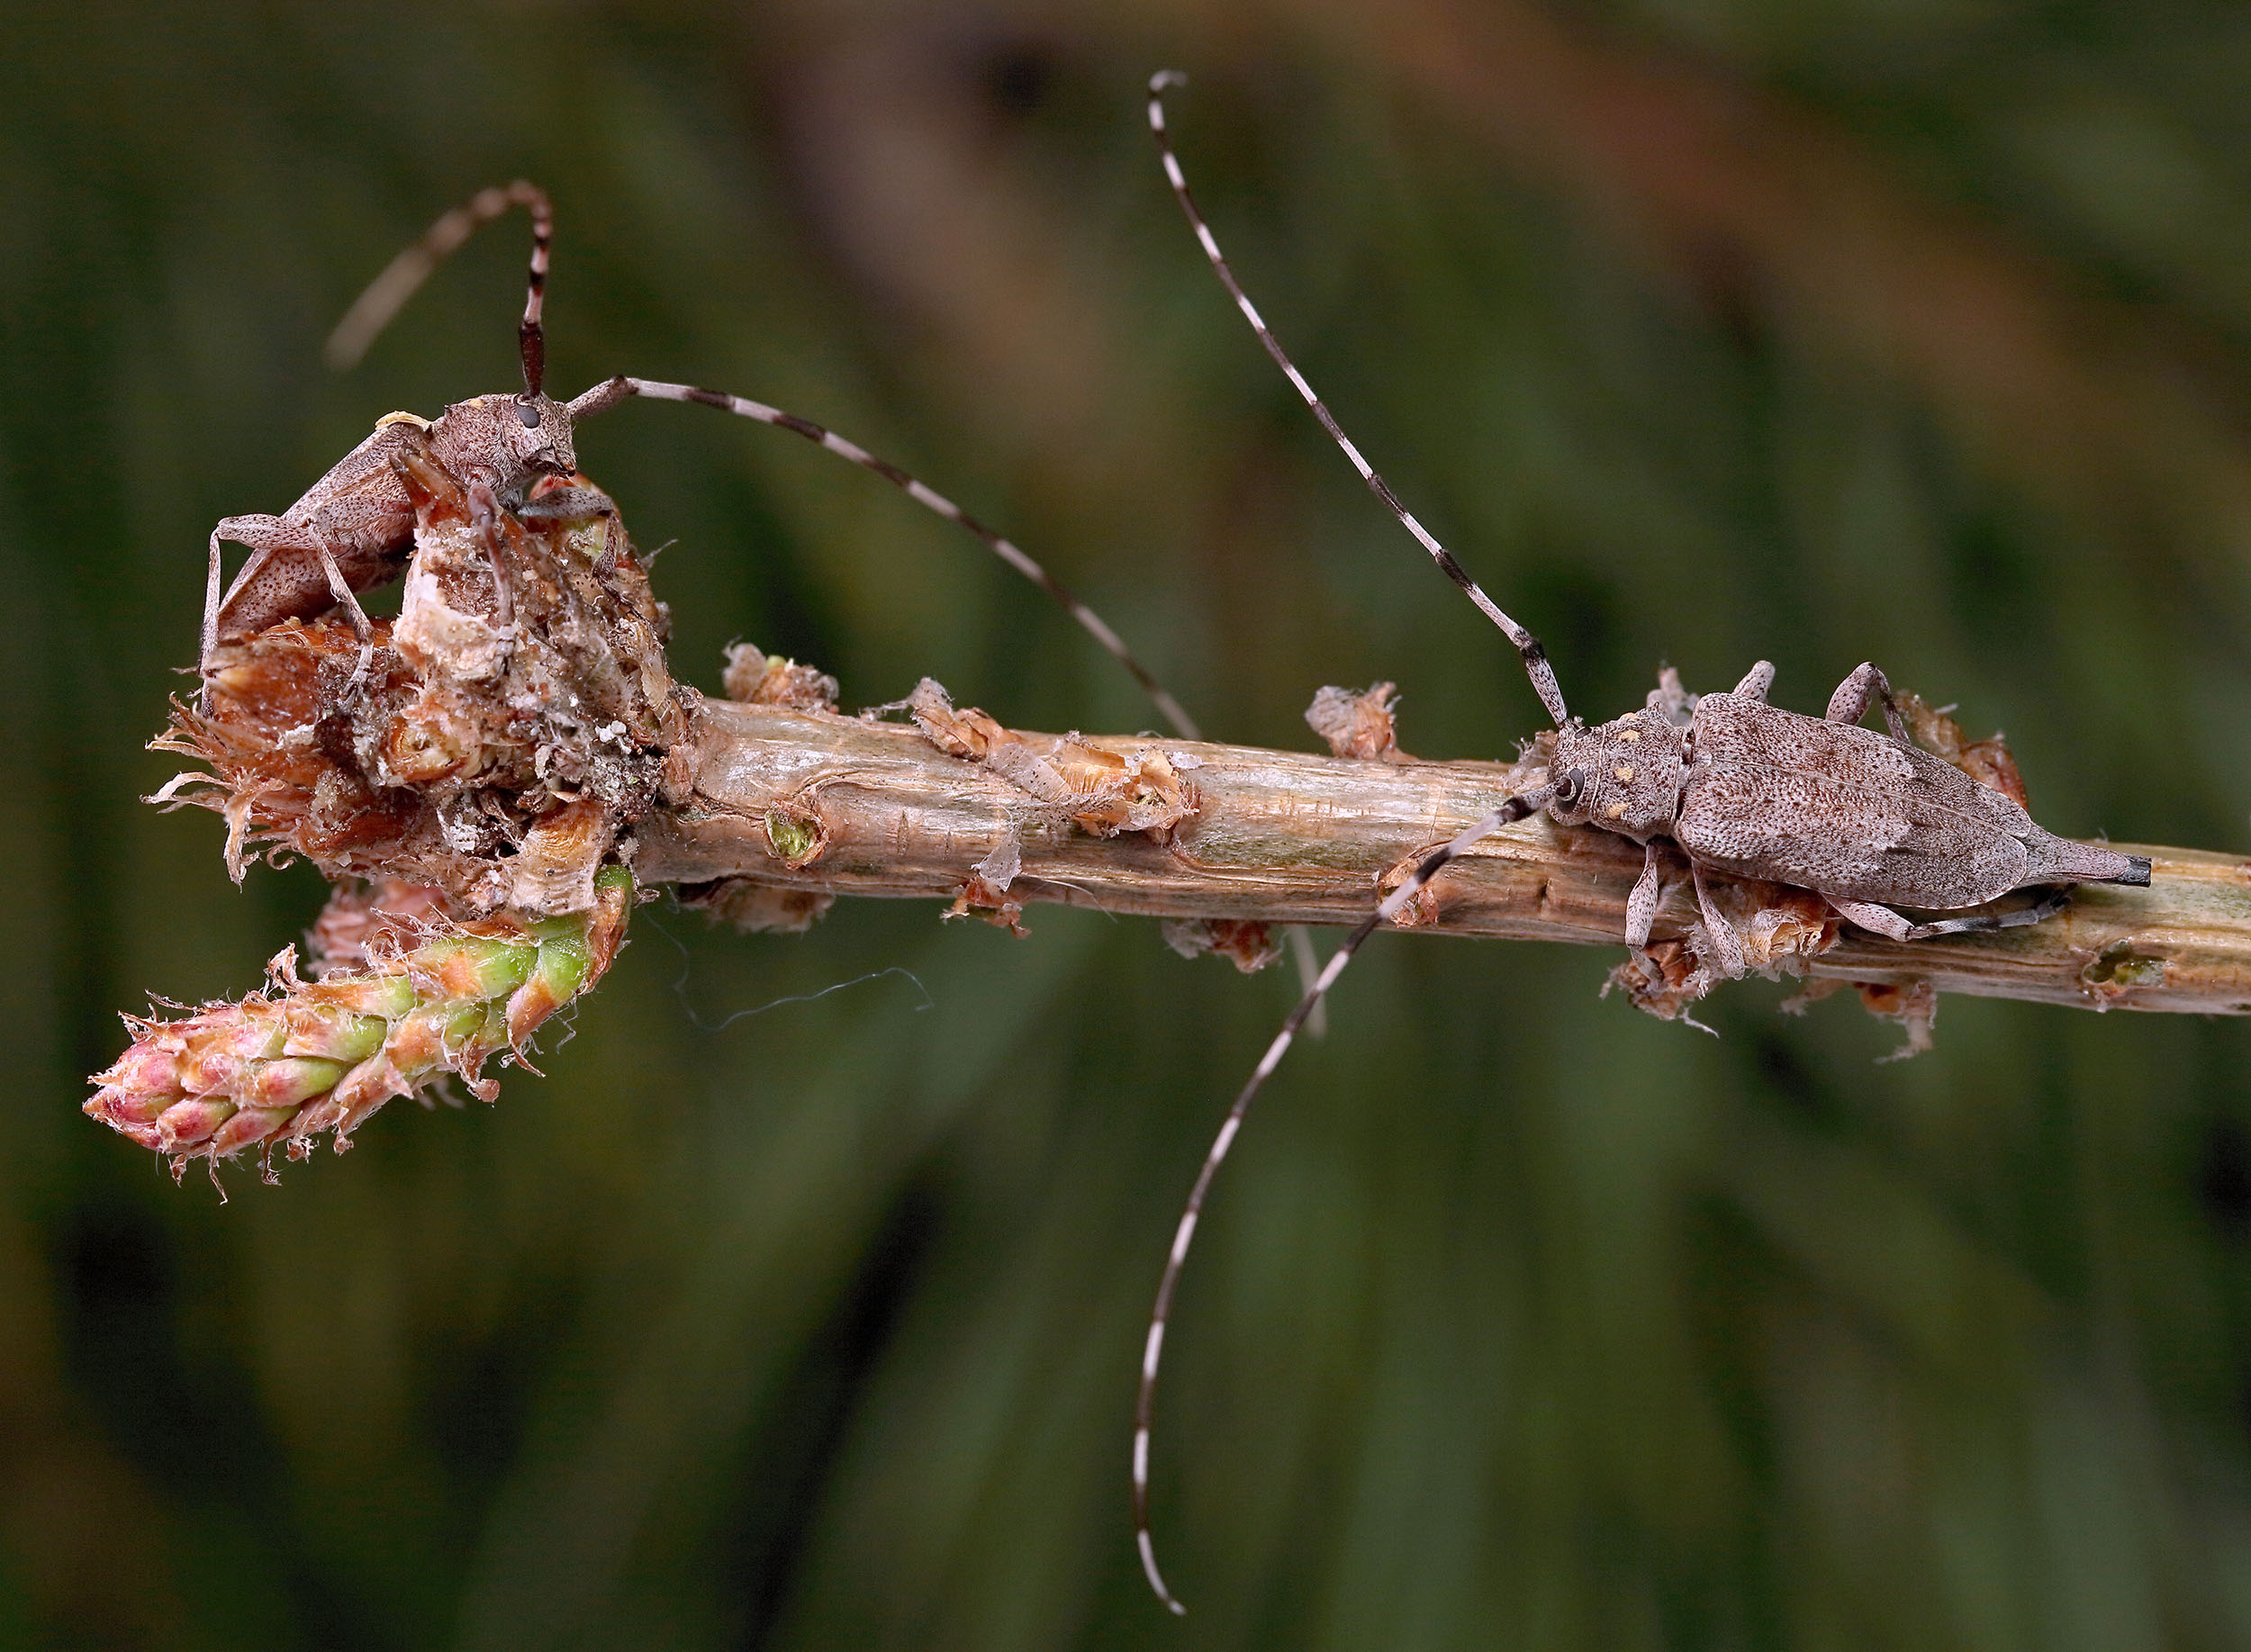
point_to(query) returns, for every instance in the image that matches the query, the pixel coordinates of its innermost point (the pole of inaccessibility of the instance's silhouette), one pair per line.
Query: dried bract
(1987, 762)
(756, 678)
(495, 742)
(1359, 722)
(757, 909)
(1244, 943)
(1089, 786)
(1779, 930)
(1914, 1004)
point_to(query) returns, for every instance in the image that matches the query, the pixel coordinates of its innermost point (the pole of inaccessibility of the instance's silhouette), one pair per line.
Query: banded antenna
(387, 294)
(1543, 684)
(1528, 647)
(375, 307)
(1513, 809)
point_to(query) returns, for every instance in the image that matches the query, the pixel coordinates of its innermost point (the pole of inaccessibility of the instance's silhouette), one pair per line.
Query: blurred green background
(1706, 330)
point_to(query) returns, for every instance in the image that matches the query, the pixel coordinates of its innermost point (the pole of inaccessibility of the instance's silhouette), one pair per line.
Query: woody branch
(836, 806)
(490, 776)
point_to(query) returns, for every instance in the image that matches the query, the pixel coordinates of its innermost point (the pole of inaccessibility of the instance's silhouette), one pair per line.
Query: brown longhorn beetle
(1869, 822)
(353, 529)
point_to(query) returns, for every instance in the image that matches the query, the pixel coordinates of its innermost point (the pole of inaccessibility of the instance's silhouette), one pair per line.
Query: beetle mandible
(1869, 822)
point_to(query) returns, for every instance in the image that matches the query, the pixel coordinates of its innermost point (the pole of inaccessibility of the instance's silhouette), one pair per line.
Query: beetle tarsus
(2038, 912)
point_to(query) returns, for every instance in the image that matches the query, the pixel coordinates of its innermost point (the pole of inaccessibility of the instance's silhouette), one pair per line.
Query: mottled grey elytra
(1867, 821)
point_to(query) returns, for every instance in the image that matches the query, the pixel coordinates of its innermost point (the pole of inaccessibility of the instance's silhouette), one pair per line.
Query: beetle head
(536, 431)
(1624, 776)
(514, 440)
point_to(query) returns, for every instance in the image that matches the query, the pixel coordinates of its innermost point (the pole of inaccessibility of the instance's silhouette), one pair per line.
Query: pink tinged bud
(358, 1093)
(418, 1043)
(321, 1114)
(186, 1123)
(474, 1033)
(248, 1128)
(333, 1035)
(385, 996)
(147, 1070)
(556, 979)
(435, 1037)
(122, 1109)
(474, 966)
(359, 1107)
(325, 1056)
(605, 927)
(288, 1082)
(217, 1053)
(487, 1042)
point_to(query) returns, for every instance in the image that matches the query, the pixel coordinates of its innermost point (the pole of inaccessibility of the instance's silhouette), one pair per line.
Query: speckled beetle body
(1867, 821)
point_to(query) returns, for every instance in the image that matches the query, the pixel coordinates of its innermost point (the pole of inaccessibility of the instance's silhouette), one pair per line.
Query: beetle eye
(1567, 788)
(527, 415)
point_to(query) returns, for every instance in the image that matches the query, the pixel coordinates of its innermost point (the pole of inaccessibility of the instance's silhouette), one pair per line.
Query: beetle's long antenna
(372, 311)
(1535, 657)
(611, 392)
(1145, 1401)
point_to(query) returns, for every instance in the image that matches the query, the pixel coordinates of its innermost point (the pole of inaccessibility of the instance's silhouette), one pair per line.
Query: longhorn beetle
(1866, 821)
(353, 529)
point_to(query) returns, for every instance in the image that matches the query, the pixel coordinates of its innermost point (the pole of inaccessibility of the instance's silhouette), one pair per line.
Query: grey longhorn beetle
(1869, 822)
(354, 529)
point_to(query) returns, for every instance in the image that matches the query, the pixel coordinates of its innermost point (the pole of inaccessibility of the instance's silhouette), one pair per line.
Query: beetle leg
(578, 505)
(1756, 681)
(2040, 911)
(1675, 703)
(1884, 922)
(268, 536)
(1725, 942)
(1641, 904)
(1876, 920)
(1854, 695)
(346, 600)
(211, 626)
(316, 536)
(341, 588)
(265, 535)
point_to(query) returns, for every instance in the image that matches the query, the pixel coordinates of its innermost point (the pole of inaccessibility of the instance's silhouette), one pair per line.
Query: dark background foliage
(1820, 330)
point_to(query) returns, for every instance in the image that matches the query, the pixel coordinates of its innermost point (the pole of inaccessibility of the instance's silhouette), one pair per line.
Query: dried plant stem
(509, 759)
(832, 805)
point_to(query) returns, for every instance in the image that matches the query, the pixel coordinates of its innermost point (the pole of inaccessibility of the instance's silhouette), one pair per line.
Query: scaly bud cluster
(307, 1057)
